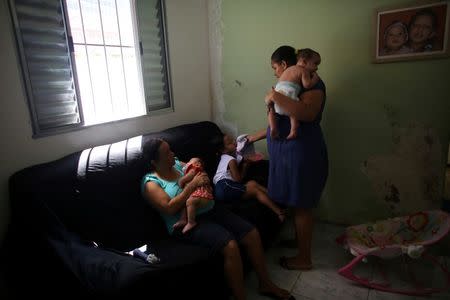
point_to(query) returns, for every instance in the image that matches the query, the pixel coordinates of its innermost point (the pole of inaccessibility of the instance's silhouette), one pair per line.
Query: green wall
(377, 116)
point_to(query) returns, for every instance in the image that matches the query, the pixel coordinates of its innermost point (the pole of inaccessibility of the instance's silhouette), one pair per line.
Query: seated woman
(217, 228)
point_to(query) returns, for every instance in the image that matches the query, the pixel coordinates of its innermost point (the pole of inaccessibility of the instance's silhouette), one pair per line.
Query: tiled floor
(324, 283)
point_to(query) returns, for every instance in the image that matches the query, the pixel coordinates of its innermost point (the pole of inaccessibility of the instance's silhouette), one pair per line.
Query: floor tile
(326, 283)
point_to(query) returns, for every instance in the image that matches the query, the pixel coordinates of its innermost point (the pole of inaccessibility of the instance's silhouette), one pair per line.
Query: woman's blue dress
(298, 168)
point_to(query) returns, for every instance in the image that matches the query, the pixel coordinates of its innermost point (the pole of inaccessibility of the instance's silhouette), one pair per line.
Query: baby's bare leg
(254, 189)
(294, 127)
(182, 221)
(191, 206)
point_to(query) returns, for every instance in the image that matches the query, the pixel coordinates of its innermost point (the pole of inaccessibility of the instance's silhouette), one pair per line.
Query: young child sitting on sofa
(229, 174)
(199, 198)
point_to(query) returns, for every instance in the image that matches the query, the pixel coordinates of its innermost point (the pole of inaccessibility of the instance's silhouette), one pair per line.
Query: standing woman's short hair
(284, 53)
(150, 152)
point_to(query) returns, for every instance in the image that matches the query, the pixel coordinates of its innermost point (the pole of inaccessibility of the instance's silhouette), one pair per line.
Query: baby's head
(229, 144)
(196, 162)
(395, 35)
(308, 59)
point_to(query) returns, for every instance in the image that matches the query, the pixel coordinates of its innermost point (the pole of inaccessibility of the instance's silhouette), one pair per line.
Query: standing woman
(298, 167)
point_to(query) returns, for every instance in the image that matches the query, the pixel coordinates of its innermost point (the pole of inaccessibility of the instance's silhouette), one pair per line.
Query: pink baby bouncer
(393, 237)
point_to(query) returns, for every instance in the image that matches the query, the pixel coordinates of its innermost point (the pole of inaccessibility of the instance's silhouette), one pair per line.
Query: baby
(199, 198)
(291, 80)
(395, 38)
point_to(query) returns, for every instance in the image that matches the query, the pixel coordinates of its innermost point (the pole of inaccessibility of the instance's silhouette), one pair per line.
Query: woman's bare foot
(273, 291)
(294, 263)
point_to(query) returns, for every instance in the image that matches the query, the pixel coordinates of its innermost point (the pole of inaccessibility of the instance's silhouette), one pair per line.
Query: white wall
(187, 27)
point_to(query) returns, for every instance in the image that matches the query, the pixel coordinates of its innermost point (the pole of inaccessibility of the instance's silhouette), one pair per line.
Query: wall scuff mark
(409, 179)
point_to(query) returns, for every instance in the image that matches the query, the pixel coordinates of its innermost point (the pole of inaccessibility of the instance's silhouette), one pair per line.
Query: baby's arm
(238, 171)
(309, 79)
(186, 178)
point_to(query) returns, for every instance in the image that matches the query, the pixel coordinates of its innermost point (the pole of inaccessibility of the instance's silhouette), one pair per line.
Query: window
(106, 59)
(86, 62)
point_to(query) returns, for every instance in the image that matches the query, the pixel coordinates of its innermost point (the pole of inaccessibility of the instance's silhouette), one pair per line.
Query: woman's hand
(306, 110)
(259, 135)
(269, 96)
(209, 188)
(200, 179)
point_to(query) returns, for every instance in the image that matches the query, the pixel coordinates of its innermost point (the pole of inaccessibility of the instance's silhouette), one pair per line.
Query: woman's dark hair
(307, 53)
(217, 142)
(284, 53)
(150, 152)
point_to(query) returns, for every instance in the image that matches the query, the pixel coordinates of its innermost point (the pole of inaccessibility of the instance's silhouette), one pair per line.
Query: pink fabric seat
(393, 237)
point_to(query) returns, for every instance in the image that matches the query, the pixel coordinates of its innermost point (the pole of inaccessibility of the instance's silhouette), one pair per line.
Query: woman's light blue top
(172, 189)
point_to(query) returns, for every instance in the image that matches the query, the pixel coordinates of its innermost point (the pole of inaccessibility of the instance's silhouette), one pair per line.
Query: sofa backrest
(96, 192)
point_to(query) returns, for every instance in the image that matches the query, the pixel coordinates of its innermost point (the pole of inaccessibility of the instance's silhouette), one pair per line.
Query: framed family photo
(417, 31)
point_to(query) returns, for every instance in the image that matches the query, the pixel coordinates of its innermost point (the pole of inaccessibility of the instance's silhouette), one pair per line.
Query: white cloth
(244, 147)
(222, 169)
(290, 89)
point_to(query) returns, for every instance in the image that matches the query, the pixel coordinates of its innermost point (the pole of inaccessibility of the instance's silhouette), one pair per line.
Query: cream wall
(188, 49)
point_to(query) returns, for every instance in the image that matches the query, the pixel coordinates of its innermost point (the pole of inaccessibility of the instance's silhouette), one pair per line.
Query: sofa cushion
(201, 139)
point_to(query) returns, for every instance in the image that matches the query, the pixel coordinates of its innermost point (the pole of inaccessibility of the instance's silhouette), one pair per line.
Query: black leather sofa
(60, 208)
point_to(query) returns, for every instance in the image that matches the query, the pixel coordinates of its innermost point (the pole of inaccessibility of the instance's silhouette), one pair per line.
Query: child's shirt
(223, 172)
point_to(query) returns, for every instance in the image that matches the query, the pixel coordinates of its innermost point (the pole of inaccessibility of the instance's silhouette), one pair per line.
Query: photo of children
(411, 32)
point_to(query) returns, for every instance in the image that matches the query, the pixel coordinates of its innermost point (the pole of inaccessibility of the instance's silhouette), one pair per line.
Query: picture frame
(417, 31)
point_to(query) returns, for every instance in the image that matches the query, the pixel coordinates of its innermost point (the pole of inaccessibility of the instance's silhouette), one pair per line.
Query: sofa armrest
(99, 270)
(108, 272)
